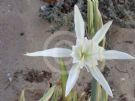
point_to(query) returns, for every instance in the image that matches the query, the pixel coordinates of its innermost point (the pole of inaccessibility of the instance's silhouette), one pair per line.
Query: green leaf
(22, 96)
(48, 95)
(89, 99)
(90, 17)
(82, 96)
(57, 94)
(104, 95)
(75, 97)
(64, 76)
(94, 89)
(94, 23)
(96, 16)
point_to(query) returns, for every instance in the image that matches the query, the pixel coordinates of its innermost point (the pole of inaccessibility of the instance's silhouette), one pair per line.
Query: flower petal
(79, 23)
(113, 54)
(72, 78)
(100, 34)
(54, 52)
(100, 79)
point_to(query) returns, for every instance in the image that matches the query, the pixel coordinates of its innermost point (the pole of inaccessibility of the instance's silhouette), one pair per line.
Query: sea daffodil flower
(86, 53)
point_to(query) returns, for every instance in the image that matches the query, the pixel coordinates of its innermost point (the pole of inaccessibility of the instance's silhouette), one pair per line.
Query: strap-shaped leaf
(75, 96)
(22, 97)
(90, 17)
(57, 94)
(64, 76)
(48, 95)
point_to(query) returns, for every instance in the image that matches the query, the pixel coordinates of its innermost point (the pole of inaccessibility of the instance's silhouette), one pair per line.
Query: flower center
(85, 50)
(84, 55)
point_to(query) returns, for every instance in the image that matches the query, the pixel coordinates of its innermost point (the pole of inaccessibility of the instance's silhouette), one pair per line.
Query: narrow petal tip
(26, 54)
(29, 54)
(66, 93)
(132, 57)
(100, 34)
(111, 21)
(76, 6)
(79, 23)
(72, 78)
(111, 94)
(113, 54)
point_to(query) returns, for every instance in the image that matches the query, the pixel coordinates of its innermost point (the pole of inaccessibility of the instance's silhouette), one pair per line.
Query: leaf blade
(48, 95)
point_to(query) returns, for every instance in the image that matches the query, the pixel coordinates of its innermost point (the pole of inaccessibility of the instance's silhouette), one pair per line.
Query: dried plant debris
(88, 88)
(32, 75)
(123, 97)
(121, 11)
(106, 71)
(36, 76)
(61, 11)
(29, 75)
(129, 42)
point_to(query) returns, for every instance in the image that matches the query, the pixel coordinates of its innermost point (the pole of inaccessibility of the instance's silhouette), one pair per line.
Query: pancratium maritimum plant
(86, 53)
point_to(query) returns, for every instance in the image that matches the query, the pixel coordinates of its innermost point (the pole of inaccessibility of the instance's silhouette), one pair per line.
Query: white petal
(79, 23)
(100, 79)
(113, 54)
(100, 34)
(72, 78)
(54, 52)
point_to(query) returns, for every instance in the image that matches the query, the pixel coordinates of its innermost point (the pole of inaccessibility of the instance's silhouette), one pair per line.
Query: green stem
(64, 76)
(94, 90)
(94, 23)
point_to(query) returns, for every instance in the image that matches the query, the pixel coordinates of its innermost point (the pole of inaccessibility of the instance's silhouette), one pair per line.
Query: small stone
(122, 79)
(21, 34)
(113, 90)
(9, 77)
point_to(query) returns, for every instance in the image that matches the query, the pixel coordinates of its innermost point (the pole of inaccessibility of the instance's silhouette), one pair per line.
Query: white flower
(86, 53)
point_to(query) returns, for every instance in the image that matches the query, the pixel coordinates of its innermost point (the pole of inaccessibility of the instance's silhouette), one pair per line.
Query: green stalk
(94, 90)
(90, 18)
(104, 96)
(94, 23)
(64, 76)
